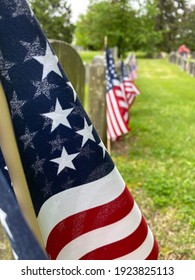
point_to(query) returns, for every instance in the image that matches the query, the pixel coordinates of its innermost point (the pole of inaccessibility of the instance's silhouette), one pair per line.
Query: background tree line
(55, 18)
(148, 25)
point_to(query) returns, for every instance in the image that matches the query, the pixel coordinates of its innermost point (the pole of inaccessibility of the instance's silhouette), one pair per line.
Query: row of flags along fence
(121, 93)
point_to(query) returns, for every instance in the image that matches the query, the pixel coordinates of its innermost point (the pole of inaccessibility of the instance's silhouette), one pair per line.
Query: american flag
(116, 102)
(132, 68)
(129, 88)
(23, 243)
(82, 205)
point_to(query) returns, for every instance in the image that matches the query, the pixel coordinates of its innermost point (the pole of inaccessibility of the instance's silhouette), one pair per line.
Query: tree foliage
(150, 25)
(187, 29)
(54, 16)
(147, 37)
(114, 19)
(169, 20)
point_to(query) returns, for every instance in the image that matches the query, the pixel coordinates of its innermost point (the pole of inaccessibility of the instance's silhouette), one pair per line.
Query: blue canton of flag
(23, 243)
(82, 205)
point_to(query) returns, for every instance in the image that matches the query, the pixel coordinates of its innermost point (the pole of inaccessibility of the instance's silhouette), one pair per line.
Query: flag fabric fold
(129, 87)
(116, 102)
(83, 207)
(132, 68)
(23, 243)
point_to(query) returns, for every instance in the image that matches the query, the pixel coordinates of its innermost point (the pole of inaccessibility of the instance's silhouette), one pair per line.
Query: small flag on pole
(116, 102)
(132, 68)
(83, 207)
(129, 88)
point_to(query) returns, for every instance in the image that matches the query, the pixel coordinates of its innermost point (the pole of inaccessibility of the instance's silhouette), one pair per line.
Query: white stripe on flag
(143, 251)
(117, 112)
(111, 133)
(112, 116)
(119, 93)
(134, 89)
(75, 200)
(102, 236)
(123, 104)
(126, 116)
(132, 97)
(128, 83)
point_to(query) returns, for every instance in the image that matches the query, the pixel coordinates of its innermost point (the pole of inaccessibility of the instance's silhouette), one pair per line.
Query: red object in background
(183, 50)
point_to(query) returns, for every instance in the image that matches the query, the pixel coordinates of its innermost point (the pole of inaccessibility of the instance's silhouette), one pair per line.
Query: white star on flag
(65, 160)
(31, 48)
(86, 132)
(27, 138)
(16, 106)
(59, 116)
(49, 61)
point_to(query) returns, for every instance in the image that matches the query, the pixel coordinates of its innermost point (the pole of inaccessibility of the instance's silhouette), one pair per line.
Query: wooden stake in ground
(108, 140)
(12, 158)
(105, 41)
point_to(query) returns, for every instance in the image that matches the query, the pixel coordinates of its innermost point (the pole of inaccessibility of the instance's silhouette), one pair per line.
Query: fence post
(97, 97)
(193, 69)
(173, 57)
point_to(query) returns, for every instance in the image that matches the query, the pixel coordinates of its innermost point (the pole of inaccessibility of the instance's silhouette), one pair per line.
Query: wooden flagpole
(12, 158)
(108, 140)
(105, 41)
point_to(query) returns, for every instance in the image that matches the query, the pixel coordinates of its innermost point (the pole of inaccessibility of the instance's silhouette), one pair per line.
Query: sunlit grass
(157, 158)
(87, 56)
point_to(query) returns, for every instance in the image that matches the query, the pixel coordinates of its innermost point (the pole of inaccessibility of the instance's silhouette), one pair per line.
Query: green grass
(87, 56)
(157, 158)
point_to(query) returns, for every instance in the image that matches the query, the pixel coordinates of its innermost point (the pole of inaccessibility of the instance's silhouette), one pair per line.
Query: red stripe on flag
(121, 247)
(117, 123)
(154, 253)
(113, 129)
(82, 222)
(113, 113)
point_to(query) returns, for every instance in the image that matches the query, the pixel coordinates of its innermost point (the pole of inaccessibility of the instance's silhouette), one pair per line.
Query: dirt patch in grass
(171, 234)
(120, 147)
(175, 240)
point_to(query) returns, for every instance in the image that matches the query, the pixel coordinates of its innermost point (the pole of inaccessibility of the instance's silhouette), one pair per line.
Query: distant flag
(83, 207)
(129, 88)
(23, 243)
(132, 68)
(116, 103)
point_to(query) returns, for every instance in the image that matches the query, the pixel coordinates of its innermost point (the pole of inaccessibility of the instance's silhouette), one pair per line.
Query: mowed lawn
(157, 158)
